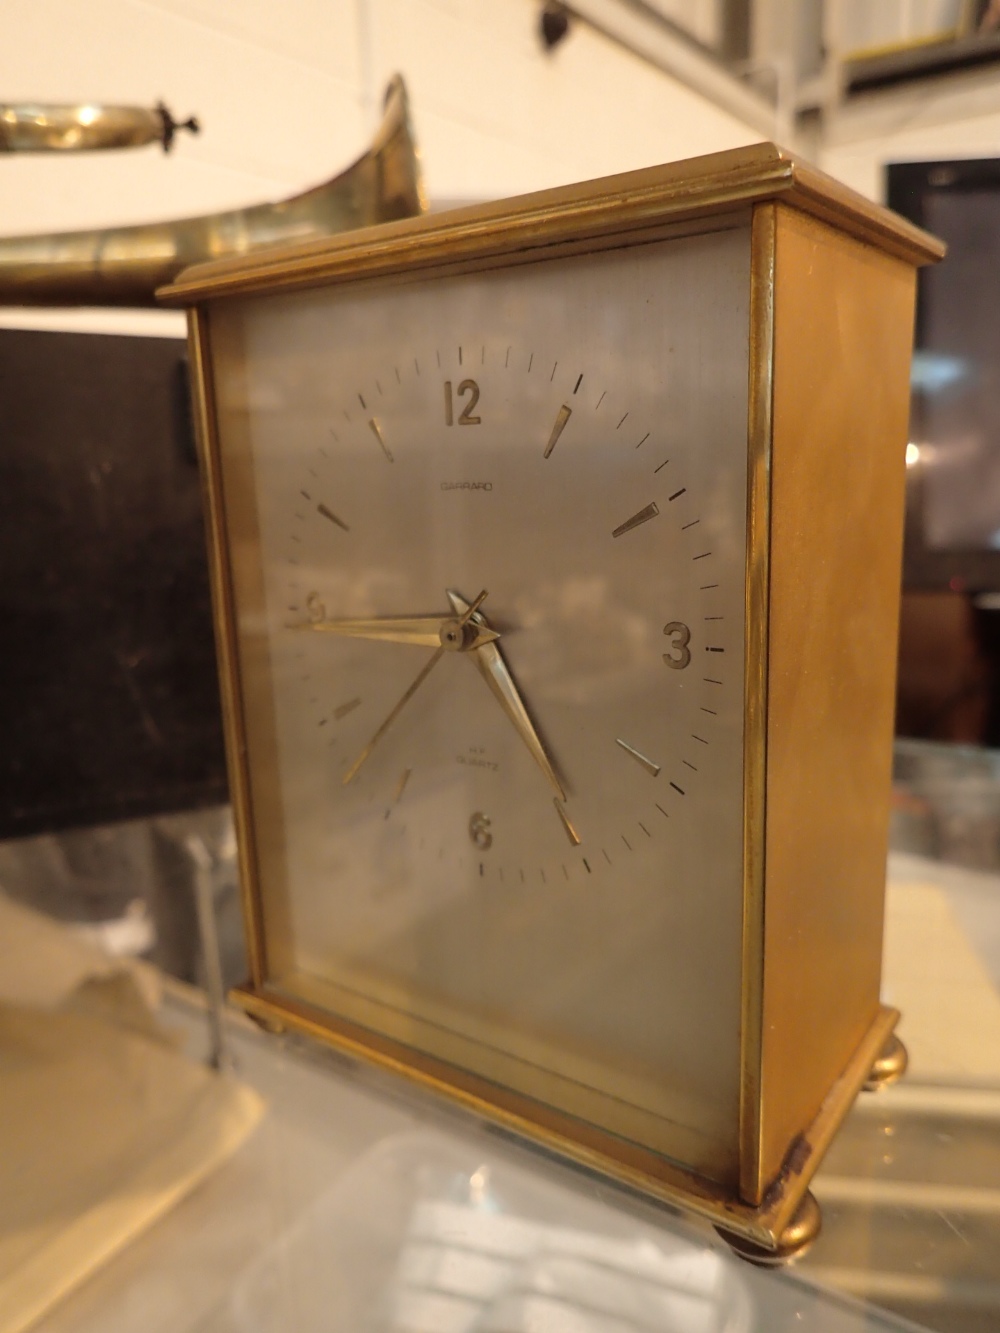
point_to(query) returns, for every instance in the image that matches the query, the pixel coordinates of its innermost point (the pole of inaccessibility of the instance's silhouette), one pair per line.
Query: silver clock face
(489, 576)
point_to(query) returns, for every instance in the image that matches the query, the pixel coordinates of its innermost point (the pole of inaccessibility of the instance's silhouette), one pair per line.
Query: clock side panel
(843, 320)
(570, 438)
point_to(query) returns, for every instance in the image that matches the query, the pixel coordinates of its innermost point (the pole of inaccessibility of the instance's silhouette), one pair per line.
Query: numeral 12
(465, 418)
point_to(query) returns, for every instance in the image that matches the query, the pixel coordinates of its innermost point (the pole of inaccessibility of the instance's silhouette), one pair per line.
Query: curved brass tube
(40, 128)
(123, 266)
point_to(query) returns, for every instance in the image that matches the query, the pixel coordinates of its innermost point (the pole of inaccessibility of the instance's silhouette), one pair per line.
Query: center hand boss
(451, 638)
(493, 669)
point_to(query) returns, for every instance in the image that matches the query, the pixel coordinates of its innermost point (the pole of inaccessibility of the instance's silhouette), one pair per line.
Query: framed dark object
(953, 473)
(108, 696)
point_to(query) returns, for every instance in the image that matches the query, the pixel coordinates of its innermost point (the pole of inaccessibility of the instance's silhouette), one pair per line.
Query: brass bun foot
(889, 1066)
(792, 1244)
(273, 1026)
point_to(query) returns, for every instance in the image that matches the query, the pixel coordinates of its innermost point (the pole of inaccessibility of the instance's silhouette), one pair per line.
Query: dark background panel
(949, 658)
(108, 692)
(953, 489)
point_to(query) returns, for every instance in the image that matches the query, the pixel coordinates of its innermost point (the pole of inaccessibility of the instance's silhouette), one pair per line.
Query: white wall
(288, 93)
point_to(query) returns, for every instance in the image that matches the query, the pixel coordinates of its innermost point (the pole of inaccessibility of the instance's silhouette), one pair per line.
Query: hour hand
(446, 641)
(424, 631)
(493, 669)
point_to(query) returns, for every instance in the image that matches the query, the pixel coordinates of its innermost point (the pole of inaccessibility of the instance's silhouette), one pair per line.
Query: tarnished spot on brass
(344, 709)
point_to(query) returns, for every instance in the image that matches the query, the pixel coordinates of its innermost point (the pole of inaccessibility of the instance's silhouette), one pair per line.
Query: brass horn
(87, 128)
(123, 266)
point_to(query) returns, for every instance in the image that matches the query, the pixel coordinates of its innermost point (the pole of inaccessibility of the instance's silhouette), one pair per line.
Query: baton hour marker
(651, 768)
(328, 513)
(557, 429)
(377, 432)
(643, 516)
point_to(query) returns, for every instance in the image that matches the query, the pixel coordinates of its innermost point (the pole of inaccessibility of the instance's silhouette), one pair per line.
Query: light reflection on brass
(377, 432)
(759, 422)
(889, 1067)
(571, 832)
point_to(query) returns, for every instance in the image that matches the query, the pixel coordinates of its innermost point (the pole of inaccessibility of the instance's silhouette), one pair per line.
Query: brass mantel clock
(556, 554)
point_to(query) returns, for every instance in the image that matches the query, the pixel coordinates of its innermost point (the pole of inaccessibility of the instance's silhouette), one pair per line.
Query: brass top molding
(531, 225)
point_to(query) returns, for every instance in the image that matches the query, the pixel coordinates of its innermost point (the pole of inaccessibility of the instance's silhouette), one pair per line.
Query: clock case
(832, 288)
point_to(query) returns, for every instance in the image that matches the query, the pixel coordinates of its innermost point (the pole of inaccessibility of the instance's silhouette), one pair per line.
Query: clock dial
(493, 626)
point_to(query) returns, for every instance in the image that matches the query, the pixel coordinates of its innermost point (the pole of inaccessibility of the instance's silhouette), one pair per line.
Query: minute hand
(424, 631)
(493, 670)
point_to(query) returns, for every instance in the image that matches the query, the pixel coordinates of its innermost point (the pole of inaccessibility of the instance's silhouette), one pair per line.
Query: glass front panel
(509, 837)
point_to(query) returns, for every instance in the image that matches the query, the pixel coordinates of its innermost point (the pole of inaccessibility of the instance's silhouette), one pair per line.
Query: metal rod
(204, 897)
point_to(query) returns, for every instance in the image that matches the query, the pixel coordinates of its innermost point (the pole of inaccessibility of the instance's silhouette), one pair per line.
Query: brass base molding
(780, 1227)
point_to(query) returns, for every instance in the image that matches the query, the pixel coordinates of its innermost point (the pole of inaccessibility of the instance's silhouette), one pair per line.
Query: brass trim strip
(759, 421)
(596, 1150)
(223, 602)
(612, 208)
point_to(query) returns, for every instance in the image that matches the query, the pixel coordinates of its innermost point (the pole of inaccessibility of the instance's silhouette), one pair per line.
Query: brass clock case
(474, 635)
